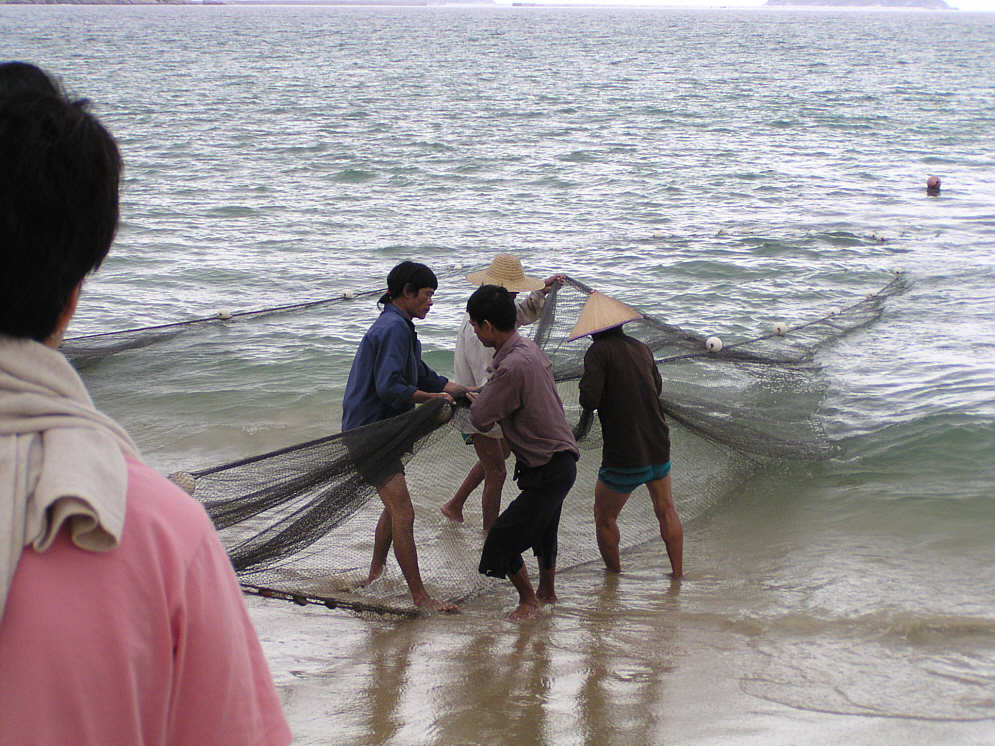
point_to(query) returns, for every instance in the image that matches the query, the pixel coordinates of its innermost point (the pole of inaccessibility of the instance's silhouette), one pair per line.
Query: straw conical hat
(601, 313)
(506, 271)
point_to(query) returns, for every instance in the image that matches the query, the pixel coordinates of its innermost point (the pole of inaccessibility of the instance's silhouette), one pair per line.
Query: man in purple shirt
(522, 397)
(388, 378)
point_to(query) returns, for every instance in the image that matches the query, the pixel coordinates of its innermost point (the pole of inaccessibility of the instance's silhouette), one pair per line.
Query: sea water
(721, 169)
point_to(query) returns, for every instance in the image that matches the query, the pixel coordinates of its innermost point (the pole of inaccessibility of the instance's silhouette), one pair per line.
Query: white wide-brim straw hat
(506, 271)
(601, 313)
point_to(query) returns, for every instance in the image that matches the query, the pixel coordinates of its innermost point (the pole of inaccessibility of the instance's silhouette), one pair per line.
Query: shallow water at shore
(637, 658)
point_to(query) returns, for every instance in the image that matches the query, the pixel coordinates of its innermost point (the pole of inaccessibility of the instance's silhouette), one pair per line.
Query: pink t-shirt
(149, 643)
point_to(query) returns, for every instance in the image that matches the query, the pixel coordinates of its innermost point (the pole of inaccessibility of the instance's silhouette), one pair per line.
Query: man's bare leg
(394, 494)
(607, 505)
(492, 455)
(528, 604)
(381, 545)
(671, 530)
(547, 591)
(490, 468)
(453, 510)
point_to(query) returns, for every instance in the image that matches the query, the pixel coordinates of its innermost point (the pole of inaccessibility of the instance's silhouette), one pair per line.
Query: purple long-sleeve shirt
(521, 395)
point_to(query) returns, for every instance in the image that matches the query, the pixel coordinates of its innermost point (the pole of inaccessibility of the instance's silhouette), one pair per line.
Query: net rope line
(298, 521)
(872, 300)
(75, 346)
(226, 316)
(346, 295)
(896, 285)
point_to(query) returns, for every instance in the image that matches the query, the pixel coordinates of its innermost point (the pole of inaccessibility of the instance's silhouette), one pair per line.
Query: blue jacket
(386, 372)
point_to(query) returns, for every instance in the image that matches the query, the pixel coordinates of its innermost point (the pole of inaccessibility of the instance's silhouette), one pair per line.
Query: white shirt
(472, 366)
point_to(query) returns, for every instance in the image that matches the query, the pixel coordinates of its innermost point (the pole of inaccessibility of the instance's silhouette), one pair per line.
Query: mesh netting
(85, 350)
(298, 523)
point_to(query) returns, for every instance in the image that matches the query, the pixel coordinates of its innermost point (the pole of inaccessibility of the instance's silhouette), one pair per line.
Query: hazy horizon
(961, 5)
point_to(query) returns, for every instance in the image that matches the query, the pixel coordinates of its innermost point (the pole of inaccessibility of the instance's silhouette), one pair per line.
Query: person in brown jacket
(622, 382)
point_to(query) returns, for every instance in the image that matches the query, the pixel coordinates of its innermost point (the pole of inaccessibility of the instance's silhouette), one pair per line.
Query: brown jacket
(622, 382)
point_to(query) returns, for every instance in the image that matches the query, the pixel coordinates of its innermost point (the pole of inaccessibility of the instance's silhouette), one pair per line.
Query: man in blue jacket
(387, 379)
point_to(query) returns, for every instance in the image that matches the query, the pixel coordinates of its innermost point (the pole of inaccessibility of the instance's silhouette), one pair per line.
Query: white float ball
(713, 344)
(348, 294)
(780, 328)
(835, 311)
(224, 313)
(184, 480)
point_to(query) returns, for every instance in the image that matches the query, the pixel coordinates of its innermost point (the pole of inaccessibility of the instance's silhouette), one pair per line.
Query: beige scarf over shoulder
(61, 460)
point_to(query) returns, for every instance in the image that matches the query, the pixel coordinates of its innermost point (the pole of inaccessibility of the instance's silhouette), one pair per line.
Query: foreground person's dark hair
(58, 205)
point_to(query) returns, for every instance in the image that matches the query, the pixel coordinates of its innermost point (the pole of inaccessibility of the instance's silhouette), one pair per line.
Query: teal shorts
(626, 480)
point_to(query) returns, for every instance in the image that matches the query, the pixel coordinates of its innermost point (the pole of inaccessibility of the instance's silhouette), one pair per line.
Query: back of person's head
(408, 277)
(612, 331)
(16, 77)
(494, 304)
(58, 205)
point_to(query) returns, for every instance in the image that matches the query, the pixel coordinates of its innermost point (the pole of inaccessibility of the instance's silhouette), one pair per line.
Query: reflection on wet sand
(577, 671)
(622, 686)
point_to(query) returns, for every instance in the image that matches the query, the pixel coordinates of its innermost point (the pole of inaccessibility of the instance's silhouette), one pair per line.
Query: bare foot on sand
(375, 572)
(430, 604)
(523, 612)
(452, 512)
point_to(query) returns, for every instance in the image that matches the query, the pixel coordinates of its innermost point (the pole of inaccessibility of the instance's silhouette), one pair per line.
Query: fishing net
(298, 523)
(88, 349)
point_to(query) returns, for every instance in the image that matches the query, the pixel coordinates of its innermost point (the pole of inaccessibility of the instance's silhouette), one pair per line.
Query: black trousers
(532, 519)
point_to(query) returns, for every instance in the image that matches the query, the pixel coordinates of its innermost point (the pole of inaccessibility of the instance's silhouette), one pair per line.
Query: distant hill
(922, 4)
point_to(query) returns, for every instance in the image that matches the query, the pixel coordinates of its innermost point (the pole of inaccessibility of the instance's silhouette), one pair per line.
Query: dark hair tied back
(408, 276)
